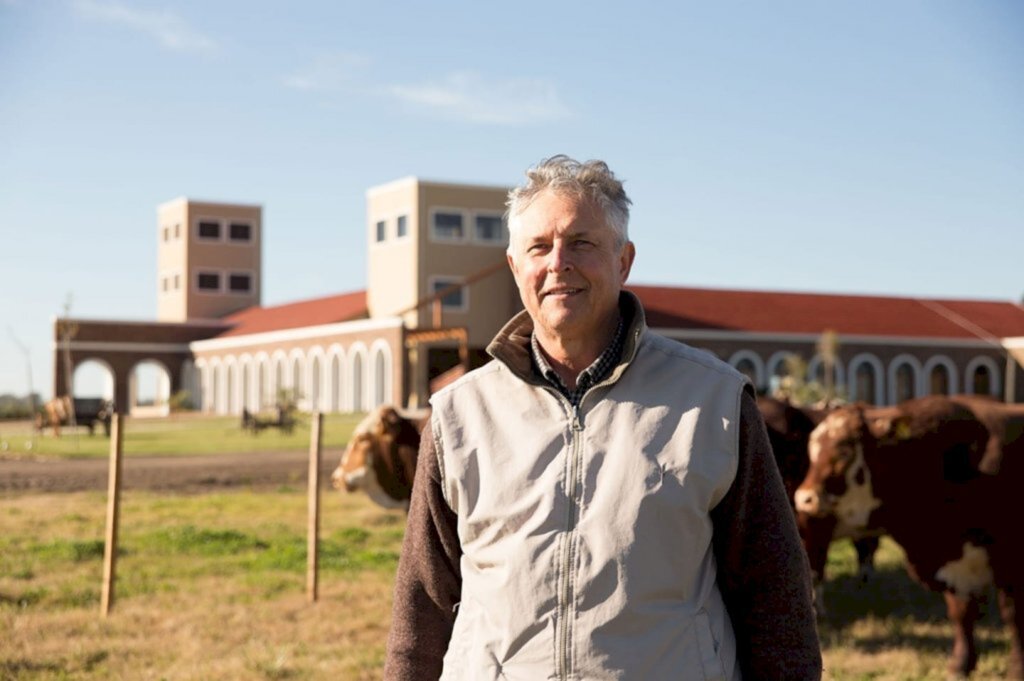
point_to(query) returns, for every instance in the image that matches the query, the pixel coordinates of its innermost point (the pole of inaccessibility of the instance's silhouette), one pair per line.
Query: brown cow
(919, 471)
(789, 430)
(380, 459)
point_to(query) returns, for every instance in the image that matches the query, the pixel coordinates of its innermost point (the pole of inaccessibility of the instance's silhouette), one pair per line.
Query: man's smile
(561, 291)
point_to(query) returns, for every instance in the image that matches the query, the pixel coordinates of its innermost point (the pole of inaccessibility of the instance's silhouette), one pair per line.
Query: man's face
(568, 267)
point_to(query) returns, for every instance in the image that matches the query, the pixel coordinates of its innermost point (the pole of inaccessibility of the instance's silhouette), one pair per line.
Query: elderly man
(597, 502)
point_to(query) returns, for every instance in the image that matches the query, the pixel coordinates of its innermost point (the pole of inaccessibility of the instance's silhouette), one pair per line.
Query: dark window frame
(437, 233)
(239, 239)
(231, 282)
(200, 224)
(208, 289)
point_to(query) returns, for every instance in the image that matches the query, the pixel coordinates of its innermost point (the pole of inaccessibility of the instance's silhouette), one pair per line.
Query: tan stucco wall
(400, 271)
(172, 261)
(344, 344)
(392, 265)
(189, 255)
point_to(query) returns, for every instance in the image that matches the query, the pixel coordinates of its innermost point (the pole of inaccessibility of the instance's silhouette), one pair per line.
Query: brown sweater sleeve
(762, 568)
(429, 581)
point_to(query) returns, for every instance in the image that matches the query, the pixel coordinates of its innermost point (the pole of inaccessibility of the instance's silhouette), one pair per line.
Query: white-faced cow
(380, 459)
(945, 483)
(789, 430)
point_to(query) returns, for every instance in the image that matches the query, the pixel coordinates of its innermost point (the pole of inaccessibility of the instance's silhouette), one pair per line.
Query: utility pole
(28, 369)
(67, 330)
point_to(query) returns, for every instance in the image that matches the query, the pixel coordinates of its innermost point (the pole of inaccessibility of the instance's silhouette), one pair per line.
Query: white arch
(216, 392)
(816, 361)
(334, 369)
(995, 387)
(278, 374)
(315, 374)
(776, 359)
(755, 359)
(232, 386)
(261, 380)
(163, 387)
(876, 368)
(383, 371)
(188, 380)
(940, 360)
(247, 380)
(107, 392)
(201, 398)
(296, 369)
(358, 373)
(915, 369)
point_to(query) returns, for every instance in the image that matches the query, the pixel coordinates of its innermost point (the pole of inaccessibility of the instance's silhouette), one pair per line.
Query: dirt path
(170, 473)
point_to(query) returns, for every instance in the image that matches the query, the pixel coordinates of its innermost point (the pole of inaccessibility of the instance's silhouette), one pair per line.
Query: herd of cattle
(940, 475)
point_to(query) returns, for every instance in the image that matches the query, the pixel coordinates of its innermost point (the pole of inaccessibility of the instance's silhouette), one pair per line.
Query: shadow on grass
(900, 606)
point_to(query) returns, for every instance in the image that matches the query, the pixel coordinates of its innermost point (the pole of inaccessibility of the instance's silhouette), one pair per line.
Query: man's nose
(559, 259)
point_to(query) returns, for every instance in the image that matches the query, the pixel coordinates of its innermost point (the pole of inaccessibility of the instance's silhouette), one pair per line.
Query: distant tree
(181, 401)
(828, 349)
(797, 389)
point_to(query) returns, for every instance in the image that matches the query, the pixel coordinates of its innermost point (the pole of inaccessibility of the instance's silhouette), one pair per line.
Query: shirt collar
(593, 374)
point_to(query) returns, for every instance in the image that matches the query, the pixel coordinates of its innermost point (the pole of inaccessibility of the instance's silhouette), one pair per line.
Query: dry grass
(892, 629)
(188, 609)
(212, 587)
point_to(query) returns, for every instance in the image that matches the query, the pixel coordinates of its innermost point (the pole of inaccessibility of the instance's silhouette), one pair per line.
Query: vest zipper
(565, 592)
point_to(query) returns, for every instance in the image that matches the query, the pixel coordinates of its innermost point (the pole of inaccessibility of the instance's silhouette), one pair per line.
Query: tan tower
(424, 237)
(208, 259)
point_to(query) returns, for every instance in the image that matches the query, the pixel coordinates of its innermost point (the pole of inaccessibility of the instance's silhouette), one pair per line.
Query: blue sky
(864, 147)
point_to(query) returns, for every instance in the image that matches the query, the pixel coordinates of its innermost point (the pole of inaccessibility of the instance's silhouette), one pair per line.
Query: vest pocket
(711, 664)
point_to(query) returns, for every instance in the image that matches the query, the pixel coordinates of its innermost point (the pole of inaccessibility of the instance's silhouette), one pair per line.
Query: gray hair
(591, 180)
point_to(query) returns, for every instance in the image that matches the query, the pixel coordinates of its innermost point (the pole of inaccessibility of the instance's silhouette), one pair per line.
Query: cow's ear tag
(903, 430)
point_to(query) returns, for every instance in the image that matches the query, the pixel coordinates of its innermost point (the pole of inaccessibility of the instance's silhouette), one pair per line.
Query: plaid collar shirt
(594, 373)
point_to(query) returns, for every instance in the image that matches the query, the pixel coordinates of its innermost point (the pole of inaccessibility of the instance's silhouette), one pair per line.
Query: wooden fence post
(313, 529)
(113, 514)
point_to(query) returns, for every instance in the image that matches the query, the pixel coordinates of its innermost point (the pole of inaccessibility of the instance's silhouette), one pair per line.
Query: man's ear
(626, 260)
(511, 263)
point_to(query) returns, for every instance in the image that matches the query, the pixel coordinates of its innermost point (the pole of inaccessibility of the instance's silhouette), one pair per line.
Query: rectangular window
(177, 282)
(163, 284)
(240, 283)
(489, 229)
(240, 231)
(167, 233)
(177, 230)
(454, 300)
(209, 229)
(381, 231)
(403, 226)
(209, 281)
(448, 226)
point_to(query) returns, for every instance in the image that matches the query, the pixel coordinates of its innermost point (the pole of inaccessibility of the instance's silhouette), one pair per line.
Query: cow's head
(838, 481)
(789, 429)
(365, 457)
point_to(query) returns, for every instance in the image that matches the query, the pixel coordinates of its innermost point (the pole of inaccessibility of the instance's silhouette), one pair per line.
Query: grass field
(212, 587)
(179, 434)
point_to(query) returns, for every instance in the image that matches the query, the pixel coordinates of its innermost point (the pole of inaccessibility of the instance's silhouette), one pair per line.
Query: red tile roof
(778, 312)
(314, 312)
(725, 310)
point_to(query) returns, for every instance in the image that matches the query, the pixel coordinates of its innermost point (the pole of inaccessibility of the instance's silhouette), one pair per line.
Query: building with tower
(439, 288)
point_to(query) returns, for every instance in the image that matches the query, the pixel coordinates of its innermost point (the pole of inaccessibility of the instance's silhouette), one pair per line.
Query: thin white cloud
(170, 30)
(467, 96)
(328, 72)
